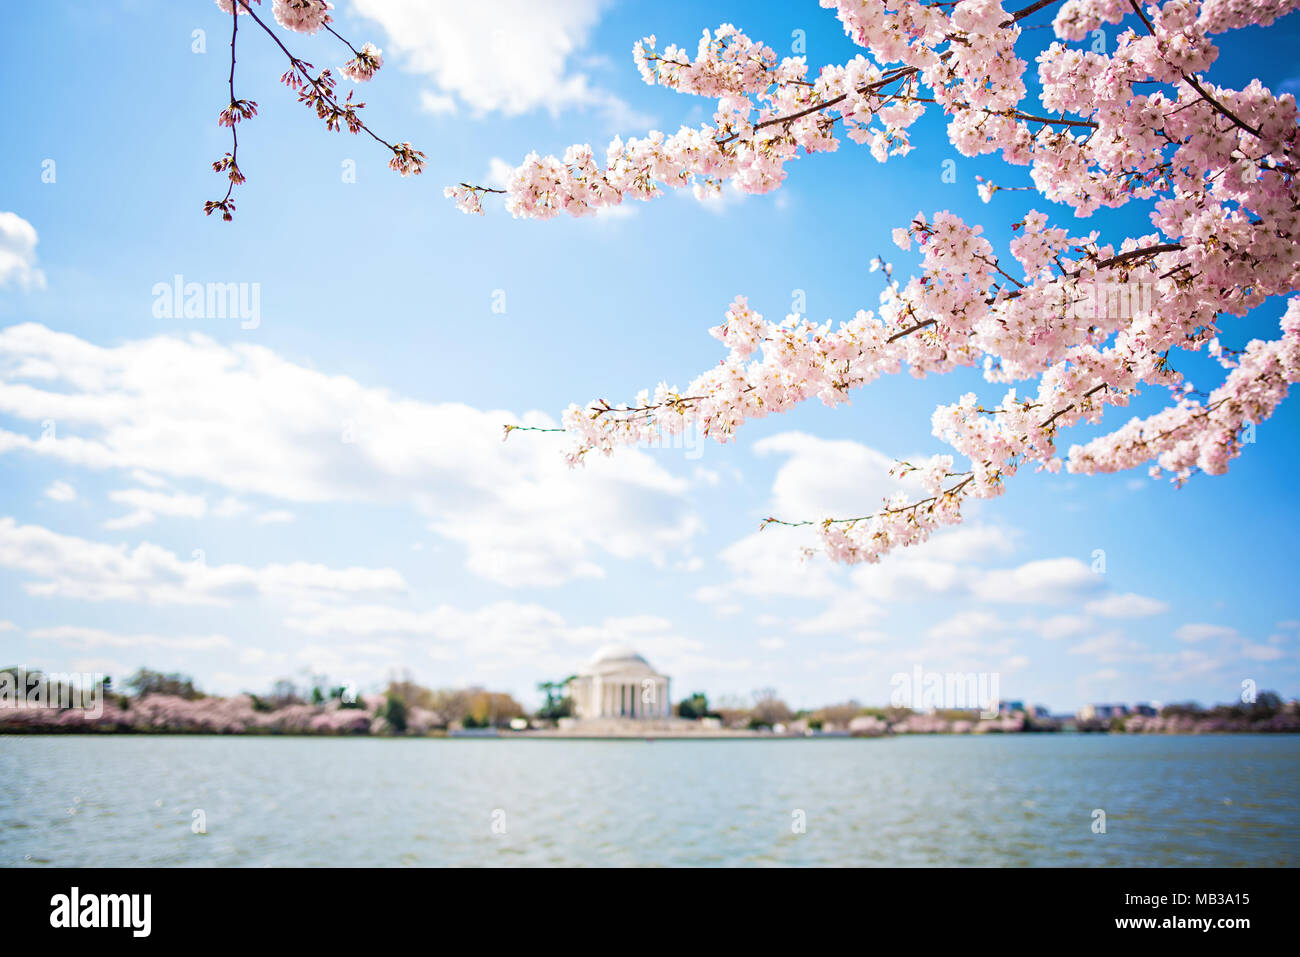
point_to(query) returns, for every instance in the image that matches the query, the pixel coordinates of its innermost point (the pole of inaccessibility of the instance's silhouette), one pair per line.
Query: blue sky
(327, 493)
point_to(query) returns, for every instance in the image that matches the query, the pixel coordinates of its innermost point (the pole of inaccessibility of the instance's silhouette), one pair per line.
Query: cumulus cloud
(507, 56)
(497, 635)
(242, 417)
(1046, 581)
(68, 567)
(147, 504)
(1109, 646)
(1200, 631)
(824, 478)
(61, 492)
(1129, 605)
(81, 637)
(969, 624)
(18, 253)
(1062, 626)
(770, 563)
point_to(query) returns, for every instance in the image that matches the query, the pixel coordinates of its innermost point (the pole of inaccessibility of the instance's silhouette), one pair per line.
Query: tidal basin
(990, 800)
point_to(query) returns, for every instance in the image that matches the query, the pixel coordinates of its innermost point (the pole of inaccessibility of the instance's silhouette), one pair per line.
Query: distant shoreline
(30, 732)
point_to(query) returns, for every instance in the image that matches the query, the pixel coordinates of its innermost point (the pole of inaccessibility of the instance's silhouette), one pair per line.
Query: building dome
(619, 659)
(617, 683)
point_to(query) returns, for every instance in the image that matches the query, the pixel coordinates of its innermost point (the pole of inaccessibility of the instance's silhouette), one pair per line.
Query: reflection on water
(995, 800)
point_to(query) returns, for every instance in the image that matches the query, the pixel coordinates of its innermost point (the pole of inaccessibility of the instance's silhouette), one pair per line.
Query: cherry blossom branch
(230, 116)
(306, 16)
(1215, 104)
(1091, 323)
(899, 510)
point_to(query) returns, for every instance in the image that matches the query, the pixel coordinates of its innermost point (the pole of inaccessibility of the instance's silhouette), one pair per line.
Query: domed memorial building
(618, 683)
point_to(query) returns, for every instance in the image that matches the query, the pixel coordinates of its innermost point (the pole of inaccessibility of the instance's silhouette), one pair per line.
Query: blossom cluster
(365, 64)
(1217, 167)
(302, 16)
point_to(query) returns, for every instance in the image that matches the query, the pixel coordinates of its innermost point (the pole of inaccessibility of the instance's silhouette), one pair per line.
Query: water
(990, 800)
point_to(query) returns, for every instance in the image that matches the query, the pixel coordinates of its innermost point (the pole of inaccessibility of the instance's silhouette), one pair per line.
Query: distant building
(1010, 707)
(619, 683)
(1102, 712)
(1144, 709)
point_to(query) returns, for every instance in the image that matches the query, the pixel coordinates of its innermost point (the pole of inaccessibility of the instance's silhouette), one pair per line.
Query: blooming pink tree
(1086, 321)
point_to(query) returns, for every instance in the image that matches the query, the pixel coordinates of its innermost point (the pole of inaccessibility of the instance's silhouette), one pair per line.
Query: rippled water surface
(990, 800)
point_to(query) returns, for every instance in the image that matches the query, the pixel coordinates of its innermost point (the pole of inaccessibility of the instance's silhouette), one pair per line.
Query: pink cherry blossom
(1068, 323)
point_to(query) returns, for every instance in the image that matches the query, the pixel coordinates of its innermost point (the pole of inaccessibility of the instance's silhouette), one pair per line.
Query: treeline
(161, 702)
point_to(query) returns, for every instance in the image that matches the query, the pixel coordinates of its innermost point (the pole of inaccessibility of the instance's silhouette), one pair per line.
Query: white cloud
(511, 56)
(1047, 581)
(229, 507)
(497, 635)
(826, 478)
(79, 637)
(1062, 626)
(439, 104)
(61, 492)
(771, 563)
(1197, 632)
(910, 576)
(147, 505)
(242, 417)
(276, 516)
(498, 173)
(18, 253)
(848, 613)
(971, 543)
(68, 567)
(968, 624)
(1108, 647)
(1129, 605)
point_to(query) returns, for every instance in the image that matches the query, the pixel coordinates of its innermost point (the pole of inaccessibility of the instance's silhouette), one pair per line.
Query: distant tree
(837, 714)
(413, 695)
(1266, 705)
(394, 712)
(346, 697)
(283, 694)
(493, 709)
(558, 703)
(694, 707)
(145, 682)
(768, 709)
